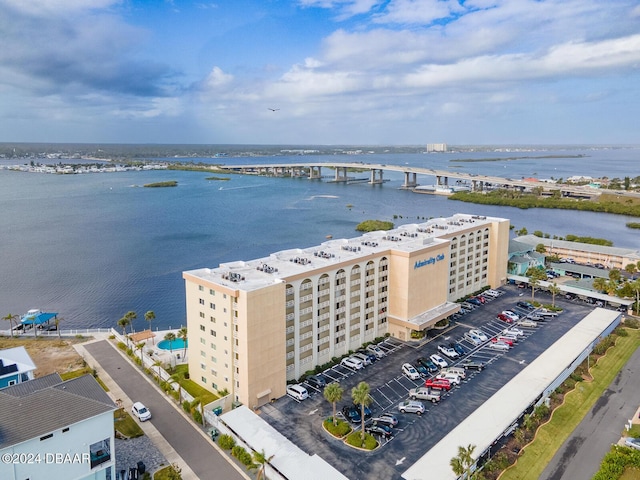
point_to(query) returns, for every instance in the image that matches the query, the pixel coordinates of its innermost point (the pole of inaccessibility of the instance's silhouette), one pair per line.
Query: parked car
(480, 334)
(317, 381)
(481, 299)
(527, 323)
(546, 313)
(422, 370)
(504, 318)
(469, 306)
(451, 377)
(352, 413)
(471, 365)
(387, 417)
(379, 429)
(513, 331)
(383, 421)
(632, 442)
(492, 293)
(140, 411)
(298, 392)
(352, 363)
(448, 351)
(513, 338)
(439, 383)
(458, 348)
(424, 393)
(409, 371)
(526, 305)
(429, 365)
(508, 341)
(459, 371)
(522, 285)
(371, 356)
(499, 346)
(411, 406)
(376, 350)
(512, 315)
(473, 338)
(366, 361)
(438, 360)
(474, 301)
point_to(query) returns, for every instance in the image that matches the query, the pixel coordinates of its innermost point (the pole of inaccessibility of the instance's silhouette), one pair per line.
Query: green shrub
(354, 439)
(241, 454)
(339, 430)
(129, 351)
(226, 442)
(122, 346)
(186, 406)
(197, 416)
(632, 323)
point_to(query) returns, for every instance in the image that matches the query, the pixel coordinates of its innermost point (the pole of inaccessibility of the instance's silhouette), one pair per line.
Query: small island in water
(374, 225)
(170, 183)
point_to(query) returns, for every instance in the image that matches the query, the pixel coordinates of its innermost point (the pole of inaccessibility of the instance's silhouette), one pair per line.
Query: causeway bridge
(376, 171)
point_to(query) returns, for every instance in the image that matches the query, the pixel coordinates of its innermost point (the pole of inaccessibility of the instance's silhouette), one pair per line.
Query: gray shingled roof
(34, 414)
(26, 388)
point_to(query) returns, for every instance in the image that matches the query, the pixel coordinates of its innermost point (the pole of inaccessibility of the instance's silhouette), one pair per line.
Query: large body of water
(95, 246)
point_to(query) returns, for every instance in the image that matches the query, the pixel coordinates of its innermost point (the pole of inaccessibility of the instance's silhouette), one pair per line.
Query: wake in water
(239, 188)
(322, 196)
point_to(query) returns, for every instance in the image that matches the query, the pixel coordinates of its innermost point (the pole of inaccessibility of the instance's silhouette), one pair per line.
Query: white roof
(500, 411)
(288, 459)
(18, 356)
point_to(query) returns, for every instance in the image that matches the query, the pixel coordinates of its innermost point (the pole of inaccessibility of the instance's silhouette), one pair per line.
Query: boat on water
(38, 319)
(441, 189)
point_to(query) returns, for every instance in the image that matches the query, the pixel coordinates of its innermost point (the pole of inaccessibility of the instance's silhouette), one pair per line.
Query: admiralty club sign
(428, 261)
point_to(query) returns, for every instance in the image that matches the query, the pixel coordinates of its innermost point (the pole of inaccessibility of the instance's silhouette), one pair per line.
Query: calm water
(95, 246)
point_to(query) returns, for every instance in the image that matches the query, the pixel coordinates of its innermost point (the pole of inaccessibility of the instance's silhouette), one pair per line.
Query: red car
(504, 318)
(508, 341)
(439, 383)
(481, 299)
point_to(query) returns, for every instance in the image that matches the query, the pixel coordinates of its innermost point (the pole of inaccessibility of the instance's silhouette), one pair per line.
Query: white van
(456, 371)
(491, 293)
(452, 377)
(298, 392)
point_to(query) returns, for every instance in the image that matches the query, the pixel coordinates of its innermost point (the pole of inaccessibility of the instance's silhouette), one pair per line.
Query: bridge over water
(376, 173)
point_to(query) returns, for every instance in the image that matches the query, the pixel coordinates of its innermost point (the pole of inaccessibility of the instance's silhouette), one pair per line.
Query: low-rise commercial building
(254, 325)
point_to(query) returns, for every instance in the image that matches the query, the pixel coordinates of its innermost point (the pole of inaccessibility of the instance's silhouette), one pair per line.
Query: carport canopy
(498, 414)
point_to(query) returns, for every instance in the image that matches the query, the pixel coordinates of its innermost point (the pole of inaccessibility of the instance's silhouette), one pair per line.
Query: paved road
(196, 450)
(581, 454)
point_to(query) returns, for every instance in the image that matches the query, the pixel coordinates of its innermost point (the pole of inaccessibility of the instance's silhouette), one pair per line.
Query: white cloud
(217, 78)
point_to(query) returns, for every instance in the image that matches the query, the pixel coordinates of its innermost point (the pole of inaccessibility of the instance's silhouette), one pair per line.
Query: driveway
(195, 449)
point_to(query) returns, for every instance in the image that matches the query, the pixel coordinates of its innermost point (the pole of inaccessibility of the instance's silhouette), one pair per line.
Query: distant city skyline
(320, 72)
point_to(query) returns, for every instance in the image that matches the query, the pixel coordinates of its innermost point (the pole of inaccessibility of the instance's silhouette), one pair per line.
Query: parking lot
(301, 421)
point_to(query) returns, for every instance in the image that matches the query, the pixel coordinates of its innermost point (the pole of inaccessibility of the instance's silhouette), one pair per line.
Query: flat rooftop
(255, 274)
(497, 414)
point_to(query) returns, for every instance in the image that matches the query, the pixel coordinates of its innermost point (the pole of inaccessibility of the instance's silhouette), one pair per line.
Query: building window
(201, 300)
(203, 366)
(201, 288)
(212, 319)
(224, 295)
(201, 314)
(212, 292)
(213, 333)
(46, 437)
(203, 341)
(204, 380)
(202, 353)
(202, 328)
(212, 306)
(100, 452)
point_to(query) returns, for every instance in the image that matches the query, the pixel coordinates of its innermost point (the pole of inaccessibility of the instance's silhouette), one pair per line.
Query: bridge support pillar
(410, 180)
(372, 178)
(315, 172)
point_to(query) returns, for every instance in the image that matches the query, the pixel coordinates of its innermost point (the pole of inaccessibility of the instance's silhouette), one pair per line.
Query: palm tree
(555, 290)
(140, 346)
(124, 323)
(10, 318)
(177, 378)
(149, 317)
(464, 461)
(600, 284)
(614, 275)
(182, 333)
(158, 364)
(170, 337)
(57, 321)
(360, 395)
(131, 316)
(260, 458)
(535, 276)
(333, 394)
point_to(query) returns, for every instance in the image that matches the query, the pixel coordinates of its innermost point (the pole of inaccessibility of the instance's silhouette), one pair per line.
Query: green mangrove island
(374, 225)
(169, 183)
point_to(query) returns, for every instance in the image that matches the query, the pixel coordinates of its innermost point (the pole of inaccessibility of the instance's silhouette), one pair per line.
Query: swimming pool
(176, 344)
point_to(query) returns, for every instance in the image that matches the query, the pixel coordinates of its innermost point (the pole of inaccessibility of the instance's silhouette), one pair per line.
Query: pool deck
(175, 357)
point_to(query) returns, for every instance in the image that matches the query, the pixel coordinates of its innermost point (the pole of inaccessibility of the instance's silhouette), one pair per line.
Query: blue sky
(401, 72)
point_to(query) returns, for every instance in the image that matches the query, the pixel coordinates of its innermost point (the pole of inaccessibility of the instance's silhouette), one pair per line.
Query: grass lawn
(193, 388)
(166, 473)
(80, 372)
(577, 404)
(126, 425)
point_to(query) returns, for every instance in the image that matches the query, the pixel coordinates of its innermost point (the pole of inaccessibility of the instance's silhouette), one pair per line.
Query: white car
(410, 371)
(448, 351)
(363, 358)
(439, 361)
(376, 350)
(452, 377)
(499, 346)
(480, 334)
(298, 392)
(527, 323)
(140, 411)
(514, 331)
(512, 315)
(352, 363)
(473, 338)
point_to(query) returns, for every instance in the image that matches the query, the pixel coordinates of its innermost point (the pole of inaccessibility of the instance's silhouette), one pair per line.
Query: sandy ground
(49, 354)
